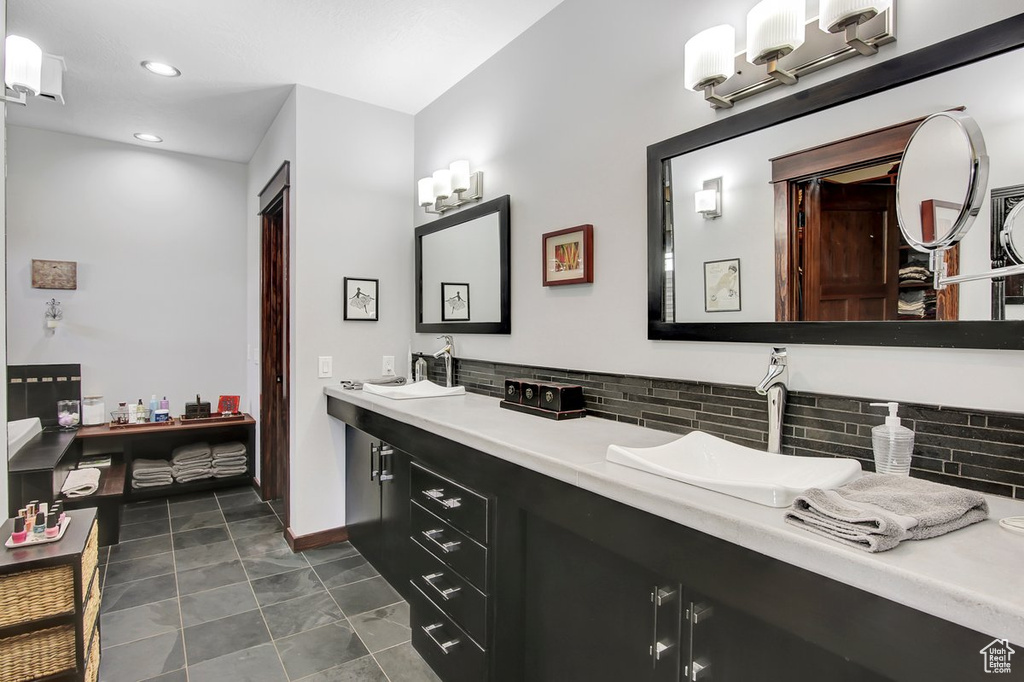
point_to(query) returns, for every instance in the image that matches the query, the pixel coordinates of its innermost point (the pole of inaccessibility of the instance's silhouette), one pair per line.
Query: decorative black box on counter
(514, 390)
(561, 397)
(200, 409)
(530, 392)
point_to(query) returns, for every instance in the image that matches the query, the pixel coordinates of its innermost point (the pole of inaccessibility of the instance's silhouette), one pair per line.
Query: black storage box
(561, 397)
(513, 390)
(530, 393)
(198, 410)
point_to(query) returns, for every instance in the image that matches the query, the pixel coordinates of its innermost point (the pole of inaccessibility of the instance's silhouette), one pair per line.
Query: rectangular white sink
(706, 461)
(20, 432)
(420, 389)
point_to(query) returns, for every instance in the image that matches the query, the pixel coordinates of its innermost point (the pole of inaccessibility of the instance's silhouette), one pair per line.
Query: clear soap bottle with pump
(893, 443)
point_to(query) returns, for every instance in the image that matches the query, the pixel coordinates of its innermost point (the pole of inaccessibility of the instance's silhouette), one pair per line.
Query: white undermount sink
(20, 432)
(706, 461)
(420, 389)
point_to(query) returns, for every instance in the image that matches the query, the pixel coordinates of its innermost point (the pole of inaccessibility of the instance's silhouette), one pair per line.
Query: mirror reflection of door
(842, 256)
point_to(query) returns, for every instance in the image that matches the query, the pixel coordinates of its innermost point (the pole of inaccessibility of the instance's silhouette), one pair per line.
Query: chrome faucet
(446, 352)
(774, 386)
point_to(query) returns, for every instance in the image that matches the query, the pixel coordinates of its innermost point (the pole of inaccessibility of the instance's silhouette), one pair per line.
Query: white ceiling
(239, 59)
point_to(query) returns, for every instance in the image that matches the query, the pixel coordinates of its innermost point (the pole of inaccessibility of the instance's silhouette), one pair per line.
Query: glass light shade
(425, 190)
(442, 183)
(709, 56)
(834, 15)
(705, 200)
(774, 28)
(23, 71)
(460, 175)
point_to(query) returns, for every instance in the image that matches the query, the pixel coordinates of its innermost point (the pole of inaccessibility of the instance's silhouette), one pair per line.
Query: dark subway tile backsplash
(983, 451)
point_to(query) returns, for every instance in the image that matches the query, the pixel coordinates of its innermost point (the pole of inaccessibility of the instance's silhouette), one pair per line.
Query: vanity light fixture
(148, 137)
(450, 188)
(708, 201)
(28, 71)
(777, 30)
(161, 69)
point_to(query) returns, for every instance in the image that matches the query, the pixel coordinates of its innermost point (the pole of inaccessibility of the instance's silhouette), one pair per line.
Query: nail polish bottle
(19, 535)
(30, 517)
(58, 507)
(52, 529)
(39, 526)
(45, 508)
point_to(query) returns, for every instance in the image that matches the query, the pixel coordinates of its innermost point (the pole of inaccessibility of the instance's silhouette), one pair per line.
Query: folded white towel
(196, 475)
(81, 482)
(190, 451)
(232, 448)
(154, 464)
(152, 484)
(224, 473)
(229, 461)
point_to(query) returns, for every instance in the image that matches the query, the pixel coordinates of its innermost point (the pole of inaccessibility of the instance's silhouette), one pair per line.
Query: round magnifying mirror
(941, 182)
(1012, 234)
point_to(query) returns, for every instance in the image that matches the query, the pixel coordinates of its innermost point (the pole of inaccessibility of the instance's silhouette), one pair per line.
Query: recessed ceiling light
(147, 137)
(161, 69)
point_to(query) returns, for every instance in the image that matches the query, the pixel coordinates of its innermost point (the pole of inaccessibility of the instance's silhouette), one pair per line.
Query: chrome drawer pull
(443, 646)
(447, 593)
(446, 547)
(437, 495)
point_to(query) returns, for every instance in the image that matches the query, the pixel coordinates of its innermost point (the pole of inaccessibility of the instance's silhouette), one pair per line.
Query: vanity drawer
(449, 591)
(463, 508)
(453, 547)
(453, 655)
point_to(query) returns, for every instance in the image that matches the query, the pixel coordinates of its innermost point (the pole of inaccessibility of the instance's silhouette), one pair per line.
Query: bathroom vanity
(573, 568)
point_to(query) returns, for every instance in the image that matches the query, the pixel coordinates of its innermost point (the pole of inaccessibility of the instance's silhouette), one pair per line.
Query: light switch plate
(325, 367)
(388, 366)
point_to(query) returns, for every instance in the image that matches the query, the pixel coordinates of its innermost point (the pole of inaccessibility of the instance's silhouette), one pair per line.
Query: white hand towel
(81, 482)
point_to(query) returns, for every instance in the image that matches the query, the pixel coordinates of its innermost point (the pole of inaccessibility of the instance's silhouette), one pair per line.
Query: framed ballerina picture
(361, 298)
(722, 285)
(454, 302)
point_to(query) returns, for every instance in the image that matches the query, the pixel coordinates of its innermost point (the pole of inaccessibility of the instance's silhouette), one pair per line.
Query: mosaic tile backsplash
(973, 449)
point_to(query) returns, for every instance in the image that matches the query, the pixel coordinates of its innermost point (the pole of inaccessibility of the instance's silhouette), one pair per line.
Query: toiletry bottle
(420, 369)
(893, 443)
(58, 507)
(165, 404)
(52, 526)
(154, 405)
(133, 416)
(39, 526)
(19, 535)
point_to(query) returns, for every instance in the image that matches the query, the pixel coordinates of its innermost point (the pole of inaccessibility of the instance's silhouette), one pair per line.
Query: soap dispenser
(893, 443)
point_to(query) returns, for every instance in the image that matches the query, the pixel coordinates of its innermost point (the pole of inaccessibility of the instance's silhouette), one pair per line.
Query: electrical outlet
(388, 366)
(325, 367)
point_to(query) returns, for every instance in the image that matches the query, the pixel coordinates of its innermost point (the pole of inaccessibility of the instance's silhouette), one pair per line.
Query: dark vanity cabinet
(377, 503)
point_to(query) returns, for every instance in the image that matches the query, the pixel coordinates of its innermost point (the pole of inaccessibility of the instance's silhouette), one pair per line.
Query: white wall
(159, 242)
(351, 179)
(560, 119)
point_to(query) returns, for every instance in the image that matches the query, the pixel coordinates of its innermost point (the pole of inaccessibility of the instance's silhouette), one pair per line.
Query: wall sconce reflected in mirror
(777, 31)
(450, 188)
(54, 314)
(708, 201)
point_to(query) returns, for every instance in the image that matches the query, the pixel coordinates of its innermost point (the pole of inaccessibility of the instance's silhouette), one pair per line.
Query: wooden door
(274, 416)
(851, 252)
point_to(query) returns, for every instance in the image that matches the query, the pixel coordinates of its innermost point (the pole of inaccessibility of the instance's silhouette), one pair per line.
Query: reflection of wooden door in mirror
(839, 252)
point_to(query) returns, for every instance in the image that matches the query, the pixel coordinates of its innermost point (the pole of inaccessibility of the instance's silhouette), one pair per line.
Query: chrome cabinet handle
(385, 451)
(699, 671)
(701, 612)
(437, 495)
(443, 646)
(374, 449)
(660, 648)
(446, 593)
(446, 547)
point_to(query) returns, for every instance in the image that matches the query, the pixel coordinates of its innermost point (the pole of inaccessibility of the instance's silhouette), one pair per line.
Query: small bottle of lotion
(39, 527)
(154, 405)
(52, 526)
(165, 404)
(19, 535)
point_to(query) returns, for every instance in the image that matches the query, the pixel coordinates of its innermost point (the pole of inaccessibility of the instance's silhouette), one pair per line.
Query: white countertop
(973, 576)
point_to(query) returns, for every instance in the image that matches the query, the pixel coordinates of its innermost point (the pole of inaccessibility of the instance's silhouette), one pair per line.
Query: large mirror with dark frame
(808, 223)
(462, 271)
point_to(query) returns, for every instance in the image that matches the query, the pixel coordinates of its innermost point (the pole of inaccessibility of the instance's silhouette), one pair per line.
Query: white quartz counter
(973, 577)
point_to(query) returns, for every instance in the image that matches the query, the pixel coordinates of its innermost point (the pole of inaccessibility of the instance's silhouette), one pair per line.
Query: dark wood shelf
(133, 494)
(917, 285)
(177, 426)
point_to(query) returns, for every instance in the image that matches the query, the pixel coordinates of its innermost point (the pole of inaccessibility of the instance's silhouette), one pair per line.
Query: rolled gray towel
(878, 511)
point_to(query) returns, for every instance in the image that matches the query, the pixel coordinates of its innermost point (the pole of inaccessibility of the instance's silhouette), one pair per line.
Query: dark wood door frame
(274, 209)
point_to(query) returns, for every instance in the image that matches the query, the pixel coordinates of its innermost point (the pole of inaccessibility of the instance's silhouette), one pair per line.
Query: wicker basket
(90, 556)
(33, 595)
(37, 654)
(92, 608)
(92, 664)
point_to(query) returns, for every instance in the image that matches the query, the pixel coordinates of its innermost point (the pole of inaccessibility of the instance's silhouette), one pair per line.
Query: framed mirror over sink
(808, 204)
(463, 271)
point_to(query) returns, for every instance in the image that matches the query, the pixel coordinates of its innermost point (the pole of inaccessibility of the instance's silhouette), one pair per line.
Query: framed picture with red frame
(569, 256)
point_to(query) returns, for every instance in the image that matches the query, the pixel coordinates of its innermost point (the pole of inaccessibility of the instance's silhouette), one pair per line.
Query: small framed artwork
(569, 256)
(361, 298)
(454, 301)
(228, 404)
(54, 274)
(722, 285)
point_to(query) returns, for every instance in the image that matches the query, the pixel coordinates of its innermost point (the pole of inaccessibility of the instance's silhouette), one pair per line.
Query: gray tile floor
(204, 587)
